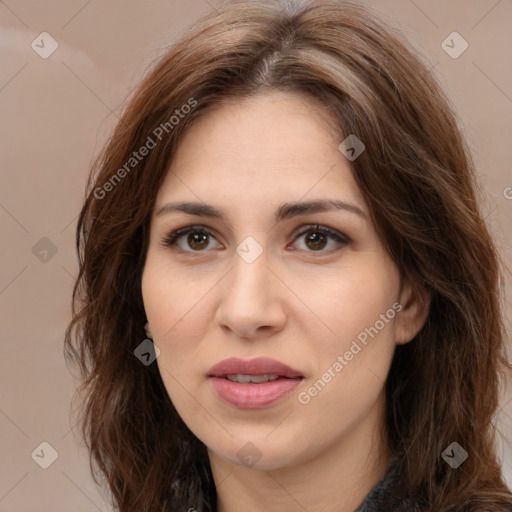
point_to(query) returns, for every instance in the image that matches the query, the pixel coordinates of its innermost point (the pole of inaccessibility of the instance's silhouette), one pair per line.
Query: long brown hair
(418, 178)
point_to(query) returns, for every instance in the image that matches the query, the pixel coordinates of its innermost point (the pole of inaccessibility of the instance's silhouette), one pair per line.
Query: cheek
(175, 332)
(353, 361)
(179, 312)
(177, 322)
(174, 303)
(352, 304)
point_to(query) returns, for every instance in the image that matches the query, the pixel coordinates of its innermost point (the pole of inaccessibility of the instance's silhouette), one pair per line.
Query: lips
(258, 366)
(254, 383)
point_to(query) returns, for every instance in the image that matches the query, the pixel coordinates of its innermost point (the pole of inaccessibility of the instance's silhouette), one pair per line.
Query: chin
(259, 452)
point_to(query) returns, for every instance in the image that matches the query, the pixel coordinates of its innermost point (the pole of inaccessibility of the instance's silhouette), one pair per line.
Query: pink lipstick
(254, 383)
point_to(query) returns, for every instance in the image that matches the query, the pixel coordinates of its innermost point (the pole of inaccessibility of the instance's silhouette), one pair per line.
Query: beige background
(55, 115)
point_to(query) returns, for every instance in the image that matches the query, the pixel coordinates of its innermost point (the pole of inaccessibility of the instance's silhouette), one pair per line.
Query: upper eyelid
(178, 233)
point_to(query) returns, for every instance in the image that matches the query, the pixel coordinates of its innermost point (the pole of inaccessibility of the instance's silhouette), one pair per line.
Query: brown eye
(194, 239)
(198, 240)
(190, 239)
(316, 241)
(317, 238)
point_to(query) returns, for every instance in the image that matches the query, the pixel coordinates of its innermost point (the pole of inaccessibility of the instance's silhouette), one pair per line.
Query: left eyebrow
(289, 210)
(285, 210)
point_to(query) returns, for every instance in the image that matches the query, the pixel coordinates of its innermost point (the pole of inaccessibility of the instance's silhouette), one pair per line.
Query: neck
(336, 480)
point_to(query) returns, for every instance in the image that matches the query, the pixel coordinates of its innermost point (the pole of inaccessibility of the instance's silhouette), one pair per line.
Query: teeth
(254, 379)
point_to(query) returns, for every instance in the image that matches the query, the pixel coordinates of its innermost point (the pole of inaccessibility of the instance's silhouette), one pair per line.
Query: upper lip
(256, 366)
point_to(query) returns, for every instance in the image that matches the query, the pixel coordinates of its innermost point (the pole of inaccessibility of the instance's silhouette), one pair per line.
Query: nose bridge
(249, 273)
(248, 299)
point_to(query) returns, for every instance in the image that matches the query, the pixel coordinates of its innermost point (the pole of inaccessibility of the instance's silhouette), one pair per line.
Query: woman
(288, 299)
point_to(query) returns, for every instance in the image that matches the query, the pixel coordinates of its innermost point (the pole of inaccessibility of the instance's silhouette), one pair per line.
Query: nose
(251, 305)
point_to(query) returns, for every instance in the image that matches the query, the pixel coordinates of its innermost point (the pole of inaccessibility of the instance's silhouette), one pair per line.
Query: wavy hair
(418, 178)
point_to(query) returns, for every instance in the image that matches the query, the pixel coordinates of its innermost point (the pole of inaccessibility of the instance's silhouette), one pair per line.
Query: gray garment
(383, 498)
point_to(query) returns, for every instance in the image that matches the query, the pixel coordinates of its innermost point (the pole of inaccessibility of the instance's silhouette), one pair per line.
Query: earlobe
(413, 315)
(148, 330)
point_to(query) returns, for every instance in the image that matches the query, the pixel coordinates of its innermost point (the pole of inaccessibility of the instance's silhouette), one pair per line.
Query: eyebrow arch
(285, 210)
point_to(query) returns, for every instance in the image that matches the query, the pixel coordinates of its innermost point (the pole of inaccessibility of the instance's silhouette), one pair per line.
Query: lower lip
(253, 396)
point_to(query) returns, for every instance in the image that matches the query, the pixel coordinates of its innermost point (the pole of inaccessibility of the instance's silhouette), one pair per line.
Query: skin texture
(297, 304)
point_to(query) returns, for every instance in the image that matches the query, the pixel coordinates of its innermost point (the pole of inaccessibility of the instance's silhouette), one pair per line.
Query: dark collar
(383, 495)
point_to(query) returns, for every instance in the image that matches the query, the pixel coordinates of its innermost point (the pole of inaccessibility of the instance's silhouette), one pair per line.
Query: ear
(148, 331)
(413, 315)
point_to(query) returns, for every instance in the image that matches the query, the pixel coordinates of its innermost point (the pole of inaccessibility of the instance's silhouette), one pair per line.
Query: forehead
(259, 151)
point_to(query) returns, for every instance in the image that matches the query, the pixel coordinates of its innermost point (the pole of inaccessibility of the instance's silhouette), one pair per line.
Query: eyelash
(170, 239)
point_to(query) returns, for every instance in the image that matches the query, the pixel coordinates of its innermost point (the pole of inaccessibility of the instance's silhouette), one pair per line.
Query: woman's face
(259, 280)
